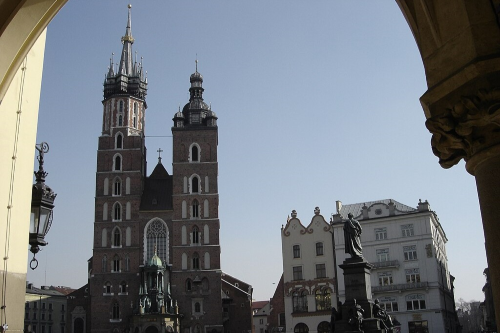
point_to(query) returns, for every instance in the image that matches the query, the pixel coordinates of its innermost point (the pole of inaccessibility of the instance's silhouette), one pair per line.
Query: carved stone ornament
(467, 128)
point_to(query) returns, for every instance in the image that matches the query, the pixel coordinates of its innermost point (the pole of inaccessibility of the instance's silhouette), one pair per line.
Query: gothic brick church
(156, 252)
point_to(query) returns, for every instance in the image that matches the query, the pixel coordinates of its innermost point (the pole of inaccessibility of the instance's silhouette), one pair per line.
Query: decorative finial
(316, 211)
(294, 213)
(129, 6)
(159, 156)
(196, 61)
(155, 249)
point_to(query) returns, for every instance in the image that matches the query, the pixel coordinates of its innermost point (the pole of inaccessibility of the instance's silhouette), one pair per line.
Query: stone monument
(357, 312)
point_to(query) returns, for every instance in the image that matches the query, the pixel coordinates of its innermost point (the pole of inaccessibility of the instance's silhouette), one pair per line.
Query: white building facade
(309, 274)
(410, 276)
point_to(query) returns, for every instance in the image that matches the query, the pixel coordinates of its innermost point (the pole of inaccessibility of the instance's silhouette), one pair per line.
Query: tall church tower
(156, 256)
(121, 168)
(196, 278)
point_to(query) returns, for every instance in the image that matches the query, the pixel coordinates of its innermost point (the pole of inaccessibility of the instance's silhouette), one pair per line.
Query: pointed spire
(127, 40)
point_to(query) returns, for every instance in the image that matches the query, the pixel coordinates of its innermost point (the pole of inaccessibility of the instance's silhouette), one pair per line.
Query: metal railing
(385, 264)
(400, 287)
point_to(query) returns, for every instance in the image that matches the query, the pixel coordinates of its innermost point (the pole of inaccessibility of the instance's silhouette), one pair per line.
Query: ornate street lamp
(42, 203)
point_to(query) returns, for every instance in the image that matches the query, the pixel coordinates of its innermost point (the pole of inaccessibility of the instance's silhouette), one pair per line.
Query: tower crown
(196, 112)
(129, 78)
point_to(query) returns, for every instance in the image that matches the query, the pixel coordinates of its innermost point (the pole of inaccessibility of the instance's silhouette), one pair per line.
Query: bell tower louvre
(156, 252)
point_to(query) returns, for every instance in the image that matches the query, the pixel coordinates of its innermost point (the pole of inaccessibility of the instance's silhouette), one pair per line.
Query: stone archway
(460, 51)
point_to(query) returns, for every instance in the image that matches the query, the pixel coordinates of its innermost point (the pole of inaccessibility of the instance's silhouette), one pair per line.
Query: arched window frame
(117, 238)
(116, 264)
(117, 187)
(123, 288)
(195, 209)
(107, 288)
(119, 141)
(104, 264)
(195, 236)
(301, 328)
(189, 285)
(115, 315)
(299, 301)
(323, 298)
(156, 233)
(134, 116)
(117, 212)
(195, 261)
(117, 162)
(195, 184)
(194, 153)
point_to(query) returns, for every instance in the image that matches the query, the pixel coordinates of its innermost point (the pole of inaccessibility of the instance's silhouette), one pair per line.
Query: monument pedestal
(358, 287)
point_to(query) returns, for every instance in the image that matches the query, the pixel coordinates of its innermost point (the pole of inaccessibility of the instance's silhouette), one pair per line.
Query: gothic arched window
(188, 285)
(117, 163)
(134, 117)
(195, 184)
(196, 235)
(117, 212)
(196, 261)
(156, 233)
(117, 186)
(116, 311)
(117, 237)
(116, 263)
(119, 141)
(195, 153)
(195, 209)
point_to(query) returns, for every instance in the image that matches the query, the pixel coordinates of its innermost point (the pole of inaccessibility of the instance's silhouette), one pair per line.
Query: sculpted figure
(356, 316)
(352, 237)
(380, 313)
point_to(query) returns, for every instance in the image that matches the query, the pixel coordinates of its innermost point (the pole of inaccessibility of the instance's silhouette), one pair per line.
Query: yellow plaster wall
(17, 148)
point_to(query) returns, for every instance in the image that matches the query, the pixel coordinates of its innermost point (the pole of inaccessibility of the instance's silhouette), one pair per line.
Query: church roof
(158, 189)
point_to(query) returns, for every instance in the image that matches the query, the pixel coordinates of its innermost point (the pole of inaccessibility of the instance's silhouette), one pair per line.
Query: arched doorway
(152, 329)
(78, 325)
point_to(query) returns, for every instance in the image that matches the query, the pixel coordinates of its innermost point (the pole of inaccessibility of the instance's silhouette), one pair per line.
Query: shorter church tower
(196, 278)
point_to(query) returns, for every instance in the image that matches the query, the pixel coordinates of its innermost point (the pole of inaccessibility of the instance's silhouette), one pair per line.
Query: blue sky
(317, 102)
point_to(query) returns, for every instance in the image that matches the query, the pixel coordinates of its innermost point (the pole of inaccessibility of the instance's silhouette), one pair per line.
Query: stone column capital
(470, 129)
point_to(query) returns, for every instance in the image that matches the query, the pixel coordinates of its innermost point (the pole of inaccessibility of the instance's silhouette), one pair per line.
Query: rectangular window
(391, 306)
(412, 275)
(382, 255)
(43, 305)
(62, 317)
(410, 252)
(320, 271)
(261, 330)
(33, 328)
(62, 328)
(296, 251)
(34, 315)
(27, 305)
(417, 326)
(43, 316)
(261, 321)
(297, 272)
(281, 319)
(50, 316)
(43, 329)
(407, 230)
(50, 328)
(35, 305)
(385, 278)
(319, 249)
(415, 305)
(62, 307)
(380, 233)
(50, 306)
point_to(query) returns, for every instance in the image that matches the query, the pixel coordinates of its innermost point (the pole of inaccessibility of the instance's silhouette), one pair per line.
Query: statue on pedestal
(352, 237)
